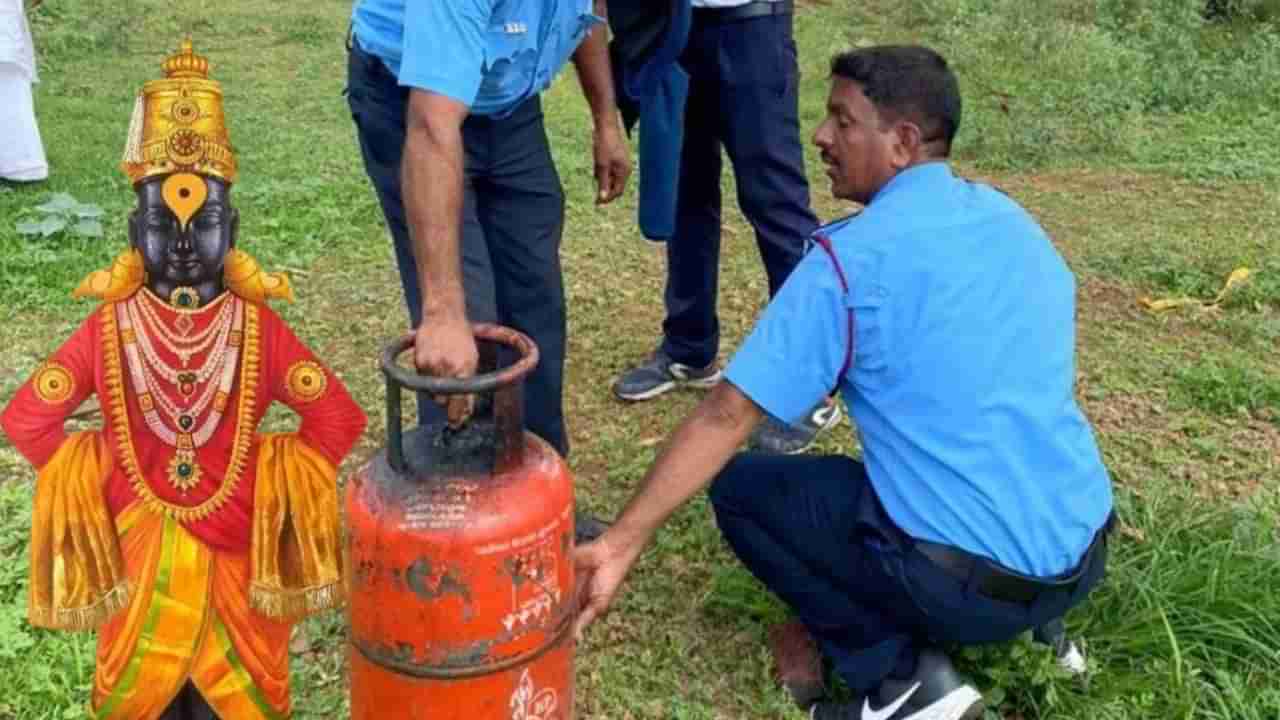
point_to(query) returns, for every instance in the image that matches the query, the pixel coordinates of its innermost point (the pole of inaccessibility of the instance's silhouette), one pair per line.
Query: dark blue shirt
(962, 383)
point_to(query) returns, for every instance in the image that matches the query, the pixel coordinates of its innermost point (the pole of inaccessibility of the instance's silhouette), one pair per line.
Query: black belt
(758, 8)
(1001, 583)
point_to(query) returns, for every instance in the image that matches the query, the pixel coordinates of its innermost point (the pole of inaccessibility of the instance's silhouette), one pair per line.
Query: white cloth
(723, 3)
(16, 47)
(22, 155)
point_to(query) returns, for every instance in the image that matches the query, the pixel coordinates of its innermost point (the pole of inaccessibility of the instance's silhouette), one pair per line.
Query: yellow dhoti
(168, 609)
(190, 619)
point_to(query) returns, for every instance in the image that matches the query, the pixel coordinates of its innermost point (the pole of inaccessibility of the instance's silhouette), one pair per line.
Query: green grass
(1144, 140)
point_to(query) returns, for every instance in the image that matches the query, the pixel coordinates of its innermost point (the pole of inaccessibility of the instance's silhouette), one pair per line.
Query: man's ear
(235, 228)
(908, 145)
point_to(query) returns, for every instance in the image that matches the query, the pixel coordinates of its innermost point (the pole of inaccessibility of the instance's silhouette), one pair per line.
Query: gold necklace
(118, 407)
(184, 472)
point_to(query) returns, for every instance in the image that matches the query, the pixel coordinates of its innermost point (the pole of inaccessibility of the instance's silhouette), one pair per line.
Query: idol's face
(175, 254)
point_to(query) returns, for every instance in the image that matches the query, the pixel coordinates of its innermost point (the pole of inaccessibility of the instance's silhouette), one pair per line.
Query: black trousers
(812, 530)
(744, 97)
(513, 218)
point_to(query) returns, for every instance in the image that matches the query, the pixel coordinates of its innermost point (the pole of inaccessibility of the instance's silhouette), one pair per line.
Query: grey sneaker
(935, 691)
(776, 437)
(660, 374)
(586, 528)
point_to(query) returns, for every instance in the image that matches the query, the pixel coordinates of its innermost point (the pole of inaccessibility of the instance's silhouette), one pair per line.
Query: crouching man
(944, 315)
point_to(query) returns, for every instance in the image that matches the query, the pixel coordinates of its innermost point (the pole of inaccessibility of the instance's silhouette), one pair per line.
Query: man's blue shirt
(490, 55)
(962, 383)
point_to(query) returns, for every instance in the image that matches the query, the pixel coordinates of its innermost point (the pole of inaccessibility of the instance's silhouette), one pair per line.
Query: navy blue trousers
(743, 96)
(812, 530)
(513, 218)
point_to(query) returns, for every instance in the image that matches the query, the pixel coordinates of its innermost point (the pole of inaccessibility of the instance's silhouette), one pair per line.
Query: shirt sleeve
(332, 422)
(34, 418)
(792, 356)
(444, 46)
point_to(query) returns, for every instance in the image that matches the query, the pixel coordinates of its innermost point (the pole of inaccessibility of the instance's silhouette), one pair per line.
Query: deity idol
(189, 541)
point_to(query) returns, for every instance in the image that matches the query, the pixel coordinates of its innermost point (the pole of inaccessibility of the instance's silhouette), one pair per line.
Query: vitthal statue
(189, 541)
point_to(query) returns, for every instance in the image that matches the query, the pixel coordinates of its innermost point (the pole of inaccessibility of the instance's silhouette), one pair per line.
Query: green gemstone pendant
(184, 297)
(184, 473)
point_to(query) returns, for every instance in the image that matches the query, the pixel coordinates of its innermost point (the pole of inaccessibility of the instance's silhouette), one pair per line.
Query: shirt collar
(932, 173)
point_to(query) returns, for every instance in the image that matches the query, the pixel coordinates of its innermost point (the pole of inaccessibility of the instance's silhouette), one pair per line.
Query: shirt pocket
(510, 66)
(869, 302)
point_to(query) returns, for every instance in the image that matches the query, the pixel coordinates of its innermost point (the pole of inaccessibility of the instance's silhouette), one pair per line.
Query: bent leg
(806, 528)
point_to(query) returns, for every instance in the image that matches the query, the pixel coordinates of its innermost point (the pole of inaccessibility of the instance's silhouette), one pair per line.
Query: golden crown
(178, 125)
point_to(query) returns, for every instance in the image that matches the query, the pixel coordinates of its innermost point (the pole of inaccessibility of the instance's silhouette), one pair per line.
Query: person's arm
(34, 417)
(431, 181)
(442, 65)
(695, 454)
(805, 319)
(612, 158)
(331, 422)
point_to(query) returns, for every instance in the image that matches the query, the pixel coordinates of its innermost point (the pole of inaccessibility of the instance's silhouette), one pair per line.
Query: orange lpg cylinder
(458, 554)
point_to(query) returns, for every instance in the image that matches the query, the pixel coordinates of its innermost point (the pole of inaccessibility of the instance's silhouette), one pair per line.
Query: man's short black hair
(907, 82)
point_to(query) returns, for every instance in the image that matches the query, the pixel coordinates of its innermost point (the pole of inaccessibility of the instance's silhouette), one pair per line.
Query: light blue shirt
(490, 55)
(962, 383)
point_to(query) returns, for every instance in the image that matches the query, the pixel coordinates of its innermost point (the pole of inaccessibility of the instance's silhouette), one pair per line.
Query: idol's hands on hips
(444, 347)
(612, 162)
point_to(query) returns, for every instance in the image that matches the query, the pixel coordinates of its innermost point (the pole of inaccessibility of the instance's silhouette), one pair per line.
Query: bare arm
(431, 181)
(612, 160)
(697, 451)
(594, 72)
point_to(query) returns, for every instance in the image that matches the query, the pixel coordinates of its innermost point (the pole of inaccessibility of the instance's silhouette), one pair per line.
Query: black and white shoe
(935, 691)
(1065, 650)
(779, 438)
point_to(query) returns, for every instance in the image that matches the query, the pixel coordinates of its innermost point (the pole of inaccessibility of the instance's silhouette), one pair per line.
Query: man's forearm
(431, 182)
(696, 453)
(594, 73)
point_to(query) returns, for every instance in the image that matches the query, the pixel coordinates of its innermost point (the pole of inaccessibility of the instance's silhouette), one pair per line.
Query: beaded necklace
(184, 472)
(182, 343)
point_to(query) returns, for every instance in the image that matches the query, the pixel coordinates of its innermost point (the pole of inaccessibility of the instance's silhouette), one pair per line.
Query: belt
(1000, 583)
(755, 9)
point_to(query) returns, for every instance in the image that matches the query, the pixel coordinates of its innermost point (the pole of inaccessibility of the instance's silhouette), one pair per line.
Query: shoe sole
(656, 390)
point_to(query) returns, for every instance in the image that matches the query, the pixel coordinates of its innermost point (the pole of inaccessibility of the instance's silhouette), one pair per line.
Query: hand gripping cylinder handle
(399, 378)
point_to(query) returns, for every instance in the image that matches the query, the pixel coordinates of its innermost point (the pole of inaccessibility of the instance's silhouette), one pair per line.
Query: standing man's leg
(378, 106)
(761, 129)
(691, 332)
(520, 205)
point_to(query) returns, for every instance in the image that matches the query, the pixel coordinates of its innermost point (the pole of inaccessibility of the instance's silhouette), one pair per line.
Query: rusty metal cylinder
(458, 552)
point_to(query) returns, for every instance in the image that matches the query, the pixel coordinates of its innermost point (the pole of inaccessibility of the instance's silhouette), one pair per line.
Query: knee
(725, 492)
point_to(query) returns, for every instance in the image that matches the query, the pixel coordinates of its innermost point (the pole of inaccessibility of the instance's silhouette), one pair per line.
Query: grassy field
(1147, 142)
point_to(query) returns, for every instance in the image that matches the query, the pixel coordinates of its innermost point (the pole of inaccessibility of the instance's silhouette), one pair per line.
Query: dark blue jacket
(648, 38)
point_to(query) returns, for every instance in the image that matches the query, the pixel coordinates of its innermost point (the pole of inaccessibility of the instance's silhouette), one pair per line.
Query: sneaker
(797, 662)
(660, 374)
(778, 438)
(934, 691)
(1067, 653)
